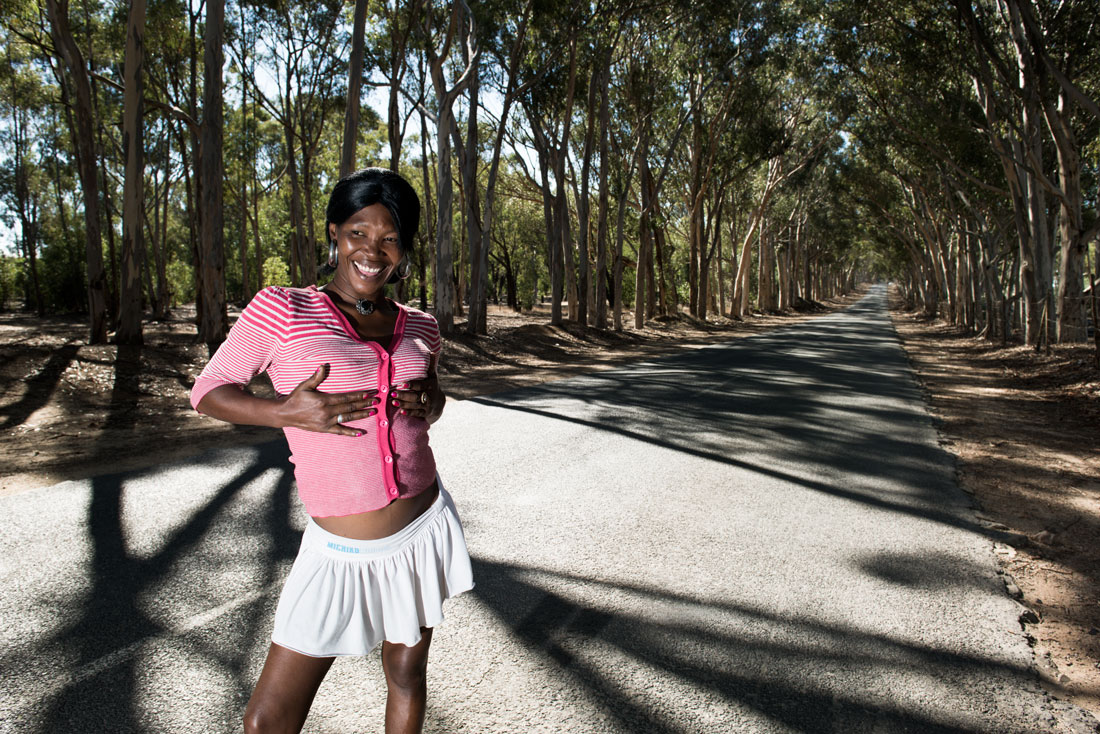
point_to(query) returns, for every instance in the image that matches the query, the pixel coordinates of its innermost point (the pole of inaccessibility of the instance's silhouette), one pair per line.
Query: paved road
(762, 536)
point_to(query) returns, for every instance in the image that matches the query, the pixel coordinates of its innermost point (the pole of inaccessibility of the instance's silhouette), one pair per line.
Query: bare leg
(284, 692)
(406, 670)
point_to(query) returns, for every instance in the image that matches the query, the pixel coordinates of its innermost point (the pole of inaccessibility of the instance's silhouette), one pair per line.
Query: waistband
(319, 540)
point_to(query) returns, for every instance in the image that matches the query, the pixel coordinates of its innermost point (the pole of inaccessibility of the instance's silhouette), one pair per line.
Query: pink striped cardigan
(290, 332)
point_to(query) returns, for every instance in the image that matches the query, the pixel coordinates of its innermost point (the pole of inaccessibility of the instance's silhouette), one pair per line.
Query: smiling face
(368, 251)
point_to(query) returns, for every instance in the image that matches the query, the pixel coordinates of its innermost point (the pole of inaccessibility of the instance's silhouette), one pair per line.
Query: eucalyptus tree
(82, 124)
(922, 125)
(720, 79)
(1009, 99)
(794, 146)
(393, 38)
(549, 109)
(133, 200)
(601, 37)
(160, 184)
(507, 44)
(171, 83)
(23, 101)
(604, 152)
(355, 86)
(654, 102)
(302, 47)
(1056, 43)
(1026, 66)
(441, 30)
(518, 235)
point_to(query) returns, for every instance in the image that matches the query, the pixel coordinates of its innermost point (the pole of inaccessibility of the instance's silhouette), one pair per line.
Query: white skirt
(345, 596)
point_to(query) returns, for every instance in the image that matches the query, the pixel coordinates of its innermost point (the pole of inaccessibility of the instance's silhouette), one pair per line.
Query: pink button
(385, 356)
(389, 459)
(383, 423)
(393, 491)
(383, 388)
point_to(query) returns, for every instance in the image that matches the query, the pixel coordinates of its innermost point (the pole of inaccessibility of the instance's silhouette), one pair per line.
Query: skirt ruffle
(344, 596)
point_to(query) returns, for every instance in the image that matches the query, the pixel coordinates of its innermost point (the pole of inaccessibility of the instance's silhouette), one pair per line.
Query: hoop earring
(408, 269)
(332, 253)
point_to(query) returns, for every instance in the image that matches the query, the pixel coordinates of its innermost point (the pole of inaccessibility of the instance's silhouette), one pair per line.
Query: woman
(356, 377)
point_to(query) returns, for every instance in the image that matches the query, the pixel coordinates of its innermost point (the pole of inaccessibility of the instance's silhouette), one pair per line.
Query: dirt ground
(1024, 428)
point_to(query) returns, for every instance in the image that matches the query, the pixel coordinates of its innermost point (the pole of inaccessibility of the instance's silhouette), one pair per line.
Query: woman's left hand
(419, 398)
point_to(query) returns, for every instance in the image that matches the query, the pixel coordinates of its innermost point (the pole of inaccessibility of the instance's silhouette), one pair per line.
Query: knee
(256, 721)
(260, 719)
(406, 668)
(408, 675)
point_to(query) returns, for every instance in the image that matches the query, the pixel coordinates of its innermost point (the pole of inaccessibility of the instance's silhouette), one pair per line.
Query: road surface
(760, 536)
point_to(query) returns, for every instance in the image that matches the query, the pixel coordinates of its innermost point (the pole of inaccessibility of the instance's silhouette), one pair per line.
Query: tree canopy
(620, 156)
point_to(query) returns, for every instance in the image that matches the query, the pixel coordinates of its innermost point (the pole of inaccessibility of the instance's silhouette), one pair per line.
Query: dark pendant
(364, 306)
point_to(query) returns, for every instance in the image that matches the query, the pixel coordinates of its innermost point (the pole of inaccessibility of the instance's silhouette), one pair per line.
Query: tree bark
(355, 84)
(133, 201)
(444, 275)
(645, 234)
(215, 321)
(476, 322)
(602, 213)
(84, 137)
(480, 269)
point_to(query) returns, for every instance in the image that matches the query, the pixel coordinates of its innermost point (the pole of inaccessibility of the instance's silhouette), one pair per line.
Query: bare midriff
(383, 522)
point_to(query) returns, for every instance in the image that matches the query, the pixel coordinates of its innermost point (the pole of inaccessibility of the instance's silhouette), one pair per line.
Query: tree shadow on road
(799, 674)
(113, 621)
(830, 406)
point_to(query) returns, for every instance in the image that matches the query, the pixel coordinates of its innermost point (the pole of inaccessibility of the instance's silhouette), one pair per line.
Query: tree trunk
(26, 203)
(620, 231)
(106, 211)
(477, 322)
(355, 84)
(444, 255)
(242, 246)
(668, 299)
(215, 322)
(133, 201)
(741, 280)
(602, 213)
(427, 255)
(479, 317)
(444, 275)
(1071, 313)
(551, 221)
(563, 227)
(84, 137)
(644, 268)
(297, 267)
(695, 203)
(164, 289)
(583, 202)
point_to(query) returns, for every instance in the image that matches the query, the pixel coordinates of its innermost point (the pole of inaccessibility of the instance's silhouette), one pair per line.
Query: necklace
(363, 306)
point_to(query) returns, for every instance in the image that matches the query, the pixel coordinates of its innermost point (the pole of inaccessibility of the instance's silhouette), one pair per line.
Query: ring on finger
(424, 398)
(339, 417)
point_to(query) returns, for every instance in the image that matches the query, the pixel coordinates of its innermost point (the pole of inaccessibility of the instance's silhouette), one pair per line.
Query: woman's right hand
(305, 407)
(311, 410)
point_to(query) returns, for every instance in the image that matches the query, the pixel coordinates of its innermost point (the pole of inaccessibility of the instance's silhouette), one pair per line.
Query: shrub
(276, 271)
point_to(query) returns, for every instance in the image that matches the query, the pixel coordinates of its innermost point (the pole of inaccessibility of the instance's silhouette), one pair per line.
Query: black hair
(377, 186)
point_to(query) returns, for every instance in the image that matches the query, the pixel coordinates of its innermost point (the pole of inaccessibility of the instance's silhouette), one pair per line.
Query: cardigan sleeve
(430, 332)
(250, 345)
